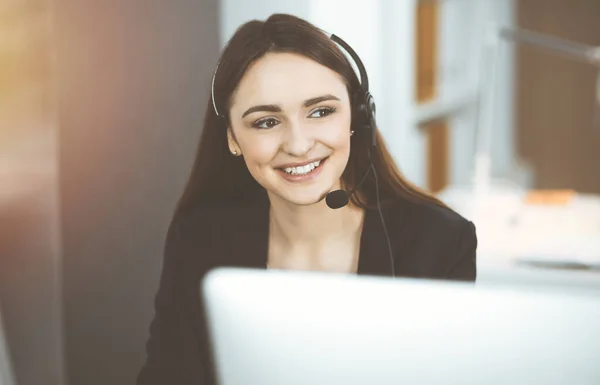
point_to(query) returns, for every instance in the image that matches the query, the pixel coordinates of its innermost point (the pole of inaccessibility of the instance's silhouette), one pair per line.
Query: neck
(313, 225)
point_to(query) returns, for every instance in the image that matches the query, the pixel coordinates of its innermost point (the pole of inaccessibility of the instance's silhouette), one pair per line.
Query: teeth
(302, 170)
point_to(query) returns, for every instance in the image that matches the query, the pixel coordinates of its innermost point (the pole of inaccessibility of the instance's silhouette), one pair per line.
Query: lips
(302, 172)
(297, 164)
(304, 169)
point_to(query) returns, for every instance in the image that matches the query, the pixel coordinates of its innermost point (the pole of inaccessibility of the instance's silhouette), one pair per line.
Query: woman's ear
(232, 142)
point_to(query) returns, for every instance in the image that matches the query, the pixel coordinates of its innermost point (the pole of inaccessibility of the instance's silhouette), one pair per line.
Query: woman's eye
(265, 123)
(322, 112)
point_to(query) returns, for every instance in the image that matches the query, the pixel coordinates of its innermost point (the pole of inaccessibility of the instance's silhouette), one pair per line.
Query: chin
(310, 202)
(305, 198)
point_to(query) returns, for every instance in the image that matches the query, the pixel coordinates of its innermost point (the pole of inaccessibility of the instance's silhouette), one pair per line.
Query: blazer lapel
(374, 256)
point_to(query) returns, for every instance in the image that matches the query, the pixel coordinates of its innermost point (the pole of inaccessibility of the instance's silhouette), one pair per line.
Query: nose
(297, 141)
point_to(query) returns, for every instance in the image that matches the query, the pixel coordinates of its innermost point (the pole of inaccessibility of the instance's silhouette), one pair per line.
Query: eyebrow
(277, 108)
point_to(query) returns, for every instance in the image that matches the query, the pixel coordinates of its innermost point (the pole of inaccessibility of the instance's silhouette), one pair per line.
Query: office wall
(29, 253)
(234, 13)
(133, 79)
(558, 117)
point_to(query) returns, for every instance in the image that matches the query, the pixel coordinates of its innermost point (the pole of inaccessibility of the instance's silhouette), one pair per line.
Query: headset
(364, 103)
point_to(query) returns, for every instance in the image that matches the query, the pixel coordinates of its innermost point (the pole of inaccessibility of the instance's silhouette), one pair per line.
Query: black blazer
(427, 242)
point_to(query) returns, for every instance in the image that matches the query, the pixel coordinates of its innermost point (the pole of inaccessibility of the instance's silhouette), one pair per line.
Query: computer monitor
(541, 277)
(296, 328)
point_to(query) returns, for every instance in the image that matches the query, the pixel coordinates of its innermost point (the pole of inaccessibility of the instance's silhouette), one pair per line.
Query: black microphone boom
(337, 199)
(340, 198)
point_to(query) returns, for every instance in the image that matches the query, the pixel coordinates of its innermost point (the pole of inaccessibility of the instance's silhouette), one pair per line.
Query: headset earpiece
(370, 111)
(365, 107)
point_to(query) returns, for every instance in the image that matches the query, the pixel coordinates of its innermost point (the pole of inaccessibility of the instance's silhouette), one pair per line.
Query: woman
(288, 123)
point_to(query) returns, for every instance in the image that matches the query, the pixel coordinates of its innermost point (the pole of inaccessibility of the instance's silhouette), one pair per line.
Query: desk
(516, 237)
(516, 275)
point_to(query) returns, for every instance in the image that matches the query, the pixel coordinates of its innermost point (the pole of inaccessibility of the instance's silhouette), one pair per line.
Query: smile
(302, 170)
(300, 173)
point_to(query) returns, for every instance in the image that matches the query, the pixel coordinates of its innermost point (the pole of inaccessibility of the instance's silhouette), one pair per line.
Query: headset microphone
(340, 198)
(337, 199)
(365, 106)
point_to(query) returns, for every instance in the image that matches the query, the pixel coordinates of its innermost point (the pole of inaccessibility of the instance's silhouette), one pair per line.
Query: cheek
(257, 151)
(337, 136)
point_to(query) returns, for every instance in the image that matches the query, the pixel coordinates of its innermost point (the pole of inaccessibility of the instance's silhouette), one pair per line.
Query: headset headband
(364, 79)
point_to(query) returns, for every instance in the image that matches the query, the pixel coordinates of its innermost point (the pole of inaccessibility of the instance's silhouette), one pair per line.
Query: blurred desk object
(578, 51)
(540, 236)
(6, 373)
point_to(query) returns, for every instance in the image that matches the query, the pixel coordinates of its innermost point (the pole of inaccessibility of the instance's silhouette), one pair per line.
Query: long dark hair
(218, 177)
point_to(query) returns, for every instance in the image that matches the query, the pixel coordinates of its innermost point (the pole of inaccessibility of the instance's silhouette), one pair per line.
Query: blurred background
(101, 105)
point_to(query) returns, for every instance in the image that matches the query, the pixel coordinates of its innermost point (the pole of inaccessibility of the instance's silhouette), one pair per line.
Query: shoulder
(217, 234)
(433, 237)
(190, 238)
(199, 217)
(210, 218)
(425, 217)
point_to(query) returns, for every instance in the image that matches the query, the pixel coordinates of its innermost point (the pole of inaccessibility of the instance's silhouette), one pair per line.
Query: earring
(234, 152)
(351, 132)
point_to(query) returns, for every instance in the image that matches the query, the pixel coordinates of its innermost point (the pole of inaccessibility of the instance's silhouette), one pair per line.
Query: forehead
(287, 79)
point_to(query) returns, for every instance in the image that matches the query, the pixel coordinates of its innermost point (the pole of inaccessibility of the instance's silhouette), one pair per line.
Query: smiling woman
(284, 136)
(289, 125)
